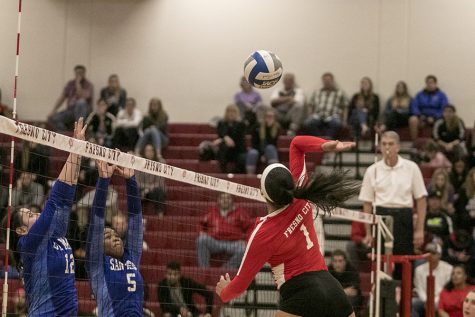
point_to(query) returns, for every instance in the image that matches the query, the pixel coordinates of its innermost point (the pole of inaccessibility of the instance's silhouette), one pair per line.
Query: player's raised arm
(134, 239)
(257, 254)
(95, 234)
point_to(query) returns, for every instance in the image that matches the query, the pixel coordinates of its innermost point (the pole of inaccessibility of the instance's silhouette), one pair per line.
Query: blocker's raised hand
(80, 129)
(337, 146)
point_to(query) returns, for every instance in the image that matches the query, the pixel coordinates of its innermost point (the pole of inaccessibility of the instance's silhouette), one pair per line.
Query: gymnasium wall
(190, 52)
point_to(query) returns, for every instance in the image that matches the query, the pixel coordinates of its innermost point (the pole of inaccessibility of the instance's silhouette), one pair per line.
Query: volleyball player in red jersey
(286, 237)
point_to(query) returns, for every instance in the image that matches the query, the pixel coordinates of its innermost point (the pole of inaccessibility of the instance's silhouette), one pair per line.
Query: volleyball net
(180, 208)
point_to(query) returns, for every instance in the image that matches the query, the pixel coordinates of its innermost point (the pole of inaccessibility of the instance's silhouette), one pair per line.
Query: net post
(430, 305)
(378, 269)
(406, 287)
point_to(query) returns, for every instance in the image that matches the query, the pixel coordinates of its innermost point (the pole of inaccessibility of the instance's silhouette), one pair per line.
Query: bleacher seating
(172, 237)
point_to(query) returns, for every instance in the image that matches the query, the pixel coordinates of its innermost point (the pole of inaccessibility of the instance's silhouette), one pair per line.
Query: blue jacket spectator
(427, 106)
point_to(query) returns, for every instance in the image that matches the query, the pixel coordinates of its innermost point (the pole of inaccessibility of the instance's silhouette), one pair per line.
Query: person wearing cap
(392, 184)
(441, 271)
(437, 224)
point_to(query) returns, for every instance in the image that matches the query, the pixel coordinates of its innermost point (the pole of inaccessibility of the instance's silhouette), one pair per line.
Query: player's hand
(337, 146)
(105, 170)
(223, 282)
(418, 239)
(80, 129)
(125, 172)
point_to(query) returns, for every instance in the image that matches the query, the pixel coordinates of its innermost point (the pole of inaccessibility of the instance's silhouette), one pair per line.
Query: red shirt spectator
(452, 296)
(223, 230)
(231, 225)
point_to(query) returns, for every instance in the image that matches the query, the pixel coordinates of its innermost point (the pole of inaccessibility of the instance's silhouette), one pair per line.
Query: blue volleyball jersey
(116, 283)
(48, 261)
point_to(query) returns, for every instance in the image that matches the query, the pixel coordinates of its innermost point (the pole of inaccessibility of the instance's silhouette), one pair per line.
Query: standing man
(78, 94)
(392, 185)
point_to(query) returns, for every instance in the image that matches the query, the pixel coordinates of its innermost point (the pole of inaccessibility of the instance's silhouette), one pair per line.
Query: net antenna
(12, 152)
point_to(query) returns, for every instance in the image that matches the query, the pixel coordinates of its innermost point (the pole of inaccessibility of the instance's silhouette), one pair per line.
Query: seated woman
(231, 140)
(364, 108)
(248, 101)
(440, 183)
(449, 133)
(396, 114)
(264, 143)
(152, 187)
(101, 125)
(452, 296)
(114, 95)
(154, 128)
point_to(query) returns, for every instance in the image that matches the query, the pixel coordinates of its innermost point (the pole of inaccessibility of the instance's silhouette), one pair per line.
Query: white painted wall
(190, 53)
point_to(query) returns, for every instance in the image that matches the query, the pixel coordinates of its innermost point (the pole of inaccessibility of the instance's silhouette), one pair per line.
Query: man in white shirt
(392, 185)
(288, 103)
(441, 271)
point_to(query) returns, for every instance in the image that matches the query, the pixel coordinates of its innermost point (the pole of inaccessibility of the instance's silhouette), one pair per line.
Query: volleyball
(263, 69)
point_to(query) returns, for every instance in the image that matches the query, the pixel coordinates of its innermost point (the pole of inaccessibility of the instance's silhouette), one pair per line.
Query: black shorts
(314, 294)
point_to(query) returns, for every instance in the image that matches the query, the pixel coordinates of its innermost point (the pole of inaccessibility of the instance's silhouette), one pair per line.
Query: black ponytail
(328, 191)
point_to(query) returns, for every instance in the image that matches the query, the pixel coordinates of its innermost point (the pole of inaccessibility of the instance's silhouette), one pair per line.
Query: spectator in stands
(364, 108)
(20, 308)
(154, 128)
(101, 124)
(357, 248)
(438, 224)
(231, 140)
(465, 204)
(453, 294)
(392, 184)
(152, 187)
(224, 229)
(84, 204)
(469, 305)
(435, 158)
(461, 249)
(471, 149)
(427, 106)
(4, 109)
(175, 294)
(120, 224)
(27, 192)
(33, 158)
(449, 133)
(78, 94)
(249, 101)
(127, 126)
(458, 174)
(264, 143)
(396, 114)
(328, 109)
(289, 102)
(114, 95)
(348, 277)
(441, 271)
(440, 183)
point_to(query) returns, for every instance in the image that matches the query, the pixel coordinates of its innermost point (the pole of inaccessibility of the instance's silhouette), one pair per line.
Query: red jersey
(285, 238)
